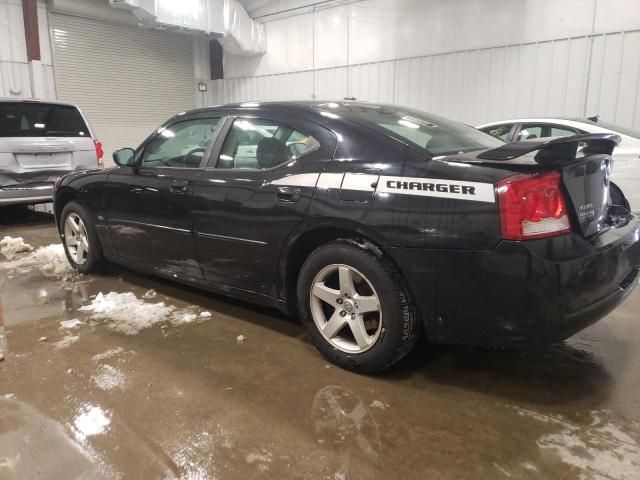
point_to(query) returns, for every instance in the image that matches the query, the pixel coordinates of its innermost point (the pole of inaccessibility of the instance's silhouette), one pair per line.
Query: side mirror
(124, 157)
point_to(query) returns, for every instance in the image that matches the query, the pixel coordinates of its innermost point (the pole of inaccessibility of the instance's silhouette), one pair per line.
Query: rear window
(435, 135)
(615, 128)
(18, 119)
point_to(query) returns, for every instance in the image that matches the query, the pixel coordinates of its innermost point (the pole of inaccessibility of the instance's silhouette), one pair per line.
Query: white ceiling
(267, 7)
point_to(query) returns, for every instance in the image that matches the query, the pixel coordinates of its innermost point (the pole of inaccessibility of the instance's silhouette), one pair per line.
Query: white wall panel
(331, 35)
(372, 81)
(628, 108)
(538, 79)
(419, 27)
(370, 31)
(331, 83)
(17, 77)
(616, 15)
(474, 60)
(12, 42)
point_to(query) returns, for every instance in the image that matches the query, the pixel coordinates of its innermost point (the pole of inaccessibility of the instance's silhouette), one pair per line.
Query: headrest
(271, 152)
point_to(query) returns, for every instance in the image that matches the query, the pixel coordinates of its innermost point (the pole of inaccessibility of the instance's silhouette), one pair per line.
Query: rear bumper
(26, 193)
(522, 293)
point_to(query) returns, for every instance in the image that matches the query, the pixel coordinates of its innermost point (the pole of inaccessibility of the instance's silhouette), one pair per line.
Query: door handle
(288, 194)
(178, 186)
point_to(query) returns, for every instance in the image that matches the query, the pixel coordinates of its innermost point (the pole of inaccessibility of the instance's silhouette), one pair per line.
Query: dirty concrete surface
(191, 401)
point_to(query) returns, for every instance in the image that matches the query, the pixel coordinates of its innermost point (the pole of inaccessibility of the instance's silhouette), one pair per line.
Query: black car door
(149, 207)
(256, 190)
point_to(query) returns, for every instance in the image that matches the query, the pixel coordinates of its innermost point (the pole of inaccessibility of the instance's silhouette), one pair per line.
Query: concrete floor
(190, 401)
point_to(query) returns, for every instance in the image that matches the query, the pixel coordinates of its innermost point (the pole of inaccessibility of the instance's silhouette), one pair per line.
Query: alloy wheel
(346, 308)
(76, 239)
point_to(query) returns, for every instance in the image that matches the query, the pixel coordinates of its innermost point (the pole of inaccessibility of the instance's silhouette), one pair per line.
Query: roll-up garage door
(126, 81)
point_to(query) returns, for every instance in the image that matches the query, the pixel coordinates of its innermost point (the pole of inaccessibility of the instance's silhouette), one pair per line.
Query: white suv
(626, 156)
(39, 142)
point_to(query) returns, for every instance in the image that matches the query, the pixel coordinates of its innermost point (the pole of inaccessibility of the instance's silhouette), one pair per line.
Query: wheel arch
(62, 198)
(308, 238)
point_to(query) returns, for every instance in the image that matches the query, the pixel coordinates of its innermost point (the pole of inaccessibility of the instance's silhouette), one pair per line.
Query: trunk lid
(35, 159)
(583, 160)
(41, 141)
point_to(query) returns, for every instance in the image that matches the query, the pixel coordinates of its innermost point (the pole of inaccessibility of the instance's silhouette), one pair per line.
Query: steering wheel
(192, 152)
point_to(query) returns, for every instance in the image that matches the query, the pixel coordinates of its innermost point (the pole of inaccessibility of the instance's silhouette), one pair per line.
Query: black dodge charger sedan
(374, 223)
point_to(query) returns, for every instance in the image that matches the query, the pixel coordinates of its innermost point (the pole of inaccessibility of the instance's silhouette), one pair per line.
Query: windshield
(616, 128)
(25, 119)
(435, 135)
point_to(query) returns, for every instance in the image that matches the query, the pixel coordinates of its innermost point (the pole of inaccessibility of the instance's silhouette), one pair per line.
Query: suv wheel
(356, 307)
(79, 238)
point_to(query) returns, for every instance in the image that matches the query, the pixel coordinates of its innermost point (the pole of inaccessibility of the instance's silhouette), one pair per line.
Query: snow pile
(128, 314)
(70, 323)
(125, 313)
(66, 341)
(186, 318)
(10, 247)
(108, 354)
(50, 260)
(109, 378)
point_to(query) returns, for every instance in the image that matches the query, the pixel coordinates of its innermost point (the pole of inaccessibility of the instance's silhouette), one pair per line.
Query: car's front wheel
(356, 307)
(79, 238)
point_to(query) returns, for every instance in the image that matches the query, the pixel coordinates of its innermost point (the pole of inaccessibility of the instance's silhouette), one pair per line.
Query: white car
(39, 142)
(626, 156)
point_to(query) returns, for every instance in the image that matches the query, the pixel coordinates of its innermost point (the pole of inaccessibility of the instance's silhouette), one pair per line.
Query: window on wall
(261, 144)
(181, 145)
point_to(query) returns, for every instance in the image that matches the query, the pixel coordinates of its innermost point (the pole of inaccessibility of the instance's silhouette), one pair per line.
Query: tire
(92, 255)
(389, 333)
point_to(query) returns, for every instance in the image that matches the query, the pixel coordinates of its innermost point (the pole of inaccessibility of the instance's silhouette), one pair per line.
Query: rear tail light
(99, 152)
(532, 206)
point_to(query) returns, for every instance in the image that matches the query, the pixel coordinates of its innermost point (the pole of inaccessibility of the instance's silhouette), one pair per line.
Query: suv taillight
(532, 206)
(99, 152)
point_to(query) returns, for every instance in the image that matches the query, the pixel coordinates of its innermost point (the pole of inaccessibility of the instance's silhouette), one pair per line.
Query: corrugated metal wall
(17, 77)
(570, 77)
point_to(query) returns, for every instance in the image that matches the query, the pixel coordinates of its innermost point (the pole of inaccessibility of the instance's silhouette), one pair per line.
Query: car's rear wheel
(79, 238)
(356, 307)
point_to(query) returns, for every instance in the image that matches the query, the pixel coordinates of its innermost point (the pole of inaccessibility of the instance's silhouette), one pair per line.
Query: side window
(561, 132)
(499, 131)
(261, 144)
(180, 145)
(532, 131)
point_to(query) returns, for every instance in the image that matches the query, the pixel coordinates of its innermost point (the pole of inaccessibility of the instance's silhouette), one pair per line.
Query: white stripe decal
(436, 187)
(363, 182)
(330, 180)
(419, 186)
(299, 180)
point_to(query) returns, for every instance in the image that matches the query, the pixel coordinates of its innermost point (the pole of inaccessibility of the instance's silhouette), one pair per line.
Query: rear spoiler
(550, 151)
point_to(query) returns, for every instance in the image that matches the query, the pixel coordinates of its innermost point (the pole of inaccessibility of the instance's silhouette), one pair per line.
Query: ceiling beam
(30, 15)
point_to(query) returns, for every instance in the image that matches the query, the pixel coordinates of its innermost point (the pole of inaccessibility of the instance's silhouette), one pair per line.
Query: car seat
(271, 152)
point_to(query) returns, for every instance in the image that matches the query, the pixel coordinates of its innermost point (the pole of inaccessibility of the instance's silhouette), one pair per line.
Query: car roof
(339, 106)
(538, 119)
(34, 100)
